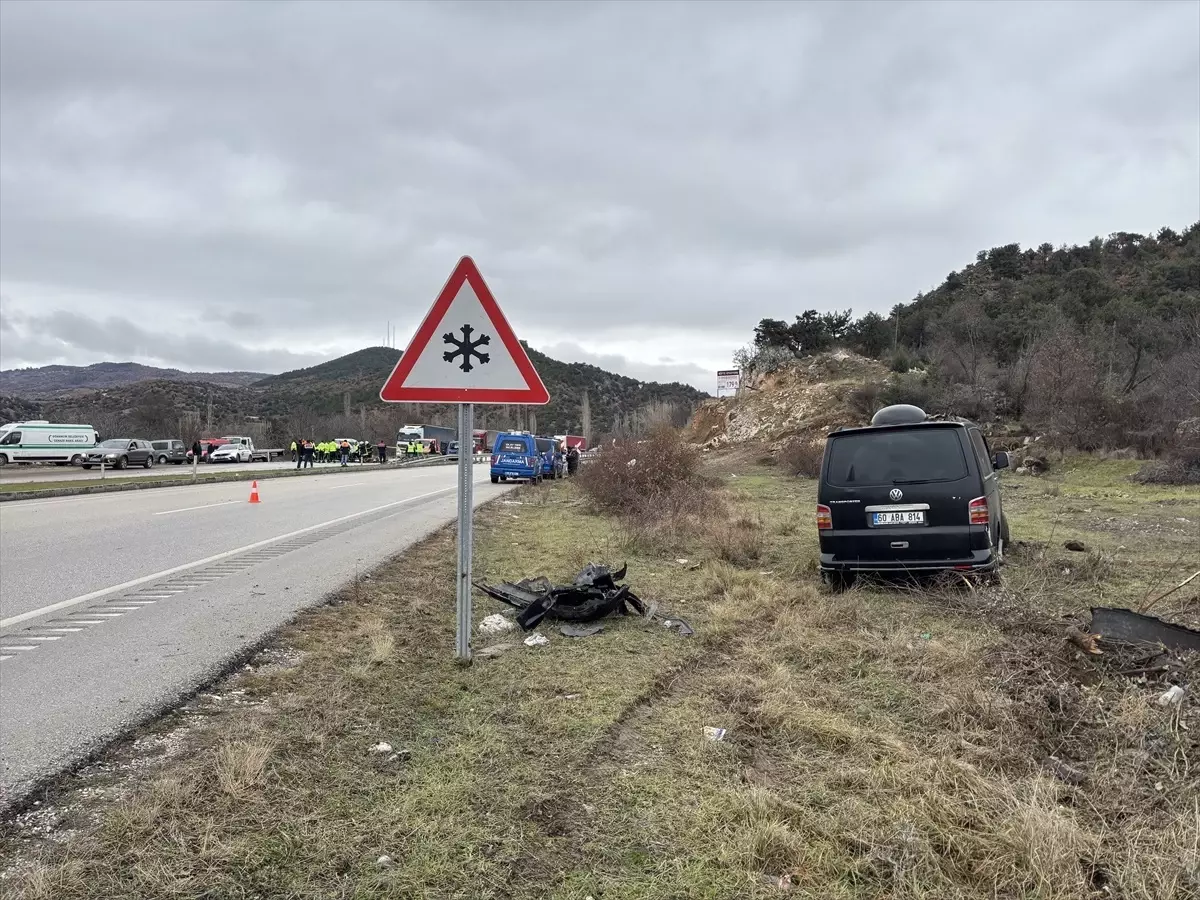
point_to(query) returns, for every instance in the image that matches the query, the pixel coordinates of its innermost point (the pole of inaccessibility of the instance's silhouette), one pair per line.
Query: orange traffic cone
(254, 492)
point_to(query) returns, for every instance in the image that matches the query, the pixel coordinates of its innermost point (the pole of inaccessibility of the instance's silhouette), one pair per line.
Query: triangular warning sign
(465, 352)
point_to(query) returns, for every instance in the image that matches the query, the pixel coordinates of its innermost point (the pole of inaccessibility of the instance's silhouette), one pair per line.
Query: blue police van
(516, 457)
(553, 461)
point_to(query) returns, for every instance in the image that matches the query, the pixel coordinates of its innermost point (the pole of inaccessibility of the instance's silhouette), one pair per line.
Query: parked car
(170, 451)
(452, 449)
(515, 457)
(231, 453)
(908, 494)
(120, 453)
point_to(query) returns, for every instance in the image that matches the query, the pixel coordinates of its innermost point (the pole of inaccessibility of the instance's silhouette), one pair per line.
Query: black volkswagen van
(909, 494)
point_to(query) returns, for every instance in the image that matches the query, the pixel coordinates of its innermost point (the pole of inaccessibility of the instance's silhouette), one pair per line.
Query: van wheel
(3, 460)
(839, 582)
(76, 459)
(86, 466)
(495, 479)
(162, 460)
(1004, 533)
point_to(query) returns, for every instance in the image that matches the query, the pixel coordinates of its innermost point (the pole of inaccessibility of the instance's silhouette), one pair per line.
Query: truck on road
(425, 433)
(256, 454)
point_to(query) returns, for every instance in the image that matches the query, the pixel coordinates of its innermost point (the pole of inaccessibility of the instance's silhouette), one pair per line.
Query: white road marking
(107, 615)
(48, 637)
(120, 609)
(334, 487)
(3, 658)
(155, 576)
(18, 647)
(167, 512)
(68, 630)
(89, 621)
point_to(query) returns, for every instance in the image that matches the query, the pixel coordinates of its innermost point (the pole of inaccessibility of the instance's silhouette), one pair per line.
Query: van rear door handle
(899, 545)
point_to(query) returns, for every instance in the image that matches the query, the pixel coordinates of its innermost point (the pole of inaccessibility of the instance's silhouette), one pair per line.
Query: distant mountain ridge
(324, 391)
(46, 382)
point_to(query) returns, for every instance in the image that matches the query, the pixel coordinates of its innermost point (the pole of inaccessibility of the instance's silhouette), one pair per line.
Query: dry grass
(880, 744)
(239, 766)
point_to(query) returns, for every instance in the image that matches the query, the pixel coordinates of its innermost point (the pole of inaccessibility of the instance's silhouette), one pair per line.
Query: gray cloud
(630, 177)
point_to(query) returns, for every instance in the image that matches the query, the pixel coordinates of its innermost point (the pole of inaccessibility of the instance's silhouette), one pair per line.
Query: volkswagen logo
(897, 495)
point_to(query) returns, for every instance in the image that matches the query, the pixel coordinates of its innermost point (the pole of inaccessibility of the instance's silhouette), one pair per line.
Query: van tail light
(979, 511)
(824, 517)
(495, 459)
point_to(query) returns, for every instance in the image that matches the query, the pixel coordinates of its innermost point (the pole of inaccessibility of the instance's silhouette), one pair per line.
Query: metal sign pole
(466, 460)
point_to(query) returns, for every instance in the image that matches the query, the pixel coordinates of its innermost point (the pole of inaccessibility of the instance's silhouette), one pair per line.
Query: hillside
(315, 399)
(321, 389)
(806, 398)
(1096, 345)
(45, 382)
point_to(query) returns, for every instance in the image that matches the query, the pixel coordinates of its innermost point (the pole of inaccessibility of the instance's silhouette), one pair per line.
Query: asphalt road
(15, 474)
(113, 606)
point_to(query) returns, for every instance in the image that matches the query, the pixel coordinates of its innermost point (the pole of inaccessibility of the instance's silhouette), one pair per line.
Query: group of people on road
(305, 452)
(416, 449)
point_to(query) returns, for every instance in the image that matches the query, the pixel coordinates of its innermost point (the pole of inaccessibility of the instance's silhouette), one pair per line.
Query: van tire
(1004, 533)
(3, 460)
(87, 465)
(162, 460)
(495, 479)
(76, 459)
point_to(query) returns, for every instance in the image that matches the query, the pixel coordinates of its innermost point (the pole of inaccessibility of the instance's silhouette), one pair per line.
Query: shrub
(1174, 471)
(864, 400)
(653, 478)
(900, 360)
(907, 389)
(802, 457)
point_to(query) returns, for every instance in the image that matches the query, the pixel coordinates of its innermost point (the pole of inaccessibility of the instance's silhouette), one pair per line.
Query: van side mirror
(1001, 461)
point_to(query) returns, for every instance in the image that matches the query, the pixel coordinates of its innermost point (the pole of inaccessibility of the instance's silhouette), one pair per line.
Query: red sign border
(394, 391)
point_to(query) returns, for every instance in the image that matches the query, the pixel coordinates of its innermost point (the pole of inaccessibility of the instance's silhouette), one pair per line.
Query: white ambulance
(42, 441)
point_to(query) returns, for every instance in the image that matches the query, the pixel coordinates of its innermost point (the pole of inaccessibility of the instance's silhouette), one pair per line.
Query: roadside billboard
(728, 382)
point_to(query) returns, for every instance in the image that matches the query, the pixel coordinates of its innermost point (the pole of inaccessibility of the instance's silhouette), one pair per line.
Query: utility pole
(346, 404)
(585, 410)
(532, 420)
(208, 417)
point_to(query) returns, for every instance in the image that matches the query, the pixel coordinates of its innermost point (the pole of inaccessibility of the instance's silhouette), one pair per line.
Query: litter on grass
(580, 631)
(536, 640)
(714, 734)
(496, 624)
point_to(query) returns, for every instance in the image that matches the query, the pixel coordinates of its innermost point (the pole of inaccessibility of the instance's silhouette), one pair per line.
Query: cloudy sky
(263, 185)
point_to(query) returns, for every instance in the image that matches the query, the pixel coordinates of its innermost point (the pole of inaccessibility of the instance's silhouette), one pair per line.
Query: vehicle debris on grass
(592, 595)
(1139, 628)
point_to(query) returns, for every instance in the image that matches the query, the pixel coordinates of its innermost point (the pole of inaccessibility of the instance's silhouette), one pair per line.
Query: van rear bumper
(514, 472)
(979, 561)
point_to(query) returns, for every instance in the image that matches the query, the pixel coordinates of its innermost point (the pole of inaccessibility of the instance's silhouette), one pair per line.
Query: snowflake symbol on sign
(466, 348)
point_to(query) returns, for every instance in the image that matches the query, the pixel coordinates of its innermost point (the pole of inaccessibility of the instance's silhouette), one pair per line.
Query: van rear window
(513, 447)
(906, 456)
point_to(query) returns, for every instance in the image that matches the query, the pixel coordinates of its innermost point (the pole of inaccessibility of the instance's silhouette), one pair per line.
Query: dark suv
(119, 453)
(909, 494)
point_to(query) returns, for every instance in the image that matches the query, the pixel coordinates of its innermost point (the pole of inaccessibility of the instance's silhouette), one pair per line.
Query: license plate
(898, 518)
